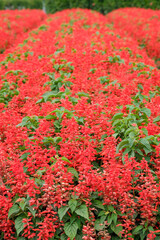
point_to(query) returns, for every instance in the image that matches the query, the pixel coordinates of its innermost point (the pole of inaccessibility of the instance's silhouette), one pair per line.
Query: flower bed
(142, 25)
(80, 136)
(14, 23)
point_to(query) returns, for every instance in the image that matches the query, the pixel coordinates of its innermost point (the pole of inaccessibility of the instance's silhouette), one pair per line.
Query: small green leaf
(62, 211)
(145, 143)
(65, 159)
(71, 229)
(109, 219)
(19, 225)
(131, 142)
(98, 225)
(137, 229)
(13, 211)
(110, 208)
(122, 144)
(114, 218)
(22, 204)
(82, 94)
(147, 111)
(145, 131)
(117, 229)
(25, 155)
(64, 237)
(139, 152)
(98, 204)
(79, 237)
(102, 213)
(72, 204)
(150, 228)
(50, 117)
(30, 208)
(80, 120)
(83, 211)
(117, 116)
(57, 140)
(143, 236)
(157, 119)
(73, 171)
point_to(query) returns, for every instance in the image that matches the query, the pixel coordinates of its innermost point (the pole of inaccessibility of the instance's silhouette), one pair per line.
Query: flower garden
(79, 129)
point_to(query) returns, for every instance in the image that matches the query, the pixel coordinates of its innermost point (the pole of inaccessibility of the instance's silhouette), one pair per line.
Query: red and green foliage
(80, 142)
(142, 25)
(14, 23)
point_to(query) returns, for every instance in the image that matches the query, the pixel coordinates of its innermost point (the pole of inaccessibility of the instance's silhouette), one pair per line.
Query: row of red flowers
(79, 123)
(142, 25)
(14, 23)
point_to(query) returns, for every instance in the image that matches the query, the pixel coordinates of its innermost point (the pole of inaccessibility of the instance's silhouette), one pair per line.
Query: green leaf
(98, 225)
(79, 237)
(131, 154)
(24, 122)
(64, 237)
(137, 229)
(80, 120)
(143, 236)
(57, 140)
(98, 204)
(145, 131)
(50, 117)
(82, 94)
(62, 211)
(139, 152)
(150, 228)
(73, 171)
(83, 211)
(114, 218)
(117, 229)
(109, 219)
(122, 144)
(157, 119)
(32, 210)
(22, 204)
(110, 208)
(25, 155)
(117, 116)
(19, 225)
(147, 111)
(72, 204)
(102, 213)
(73, 100)
(13, 211)
(71, 229)
(79, 222)
(131, 142)
(145, 143)
(65, 159)
(146, 150)
(127, 150)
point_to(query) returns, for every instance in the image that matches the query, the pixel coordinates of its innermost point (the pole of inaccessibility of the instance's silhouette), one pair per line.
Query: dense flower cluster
(142, 25)
(79, 125)
(14, 23)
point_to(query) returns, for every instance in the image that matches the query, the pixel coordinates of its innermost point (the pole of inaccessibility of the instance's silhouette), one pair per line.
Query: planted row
(14, 23)
(79, 134)
(142, 25)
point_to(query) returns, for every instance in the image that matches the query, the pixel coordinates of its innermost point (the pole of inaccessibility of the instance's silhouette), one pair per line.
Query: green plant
(128, 128)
